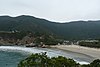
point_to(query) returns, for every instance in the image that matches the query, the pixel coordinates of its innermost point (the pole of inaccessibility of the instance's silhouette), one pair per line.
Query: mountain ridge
(72, 30)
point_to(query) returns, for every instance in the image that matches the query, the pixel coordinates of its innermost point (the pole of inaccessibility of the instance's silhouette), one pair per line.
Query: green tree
(42, 60)
(95, 63)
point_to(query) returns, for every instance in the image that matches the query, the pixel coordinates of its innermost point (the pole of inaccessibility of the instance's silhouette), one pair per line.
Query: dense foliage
(47, 39)
(42, 60)
(27, 37)
(73, 30)
(90, 44)
(11, 35)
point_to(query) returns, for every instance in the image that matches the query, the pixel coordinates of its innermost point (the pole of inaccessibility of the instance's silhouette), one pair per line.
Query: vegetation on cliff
(26, 37)
(42, 60)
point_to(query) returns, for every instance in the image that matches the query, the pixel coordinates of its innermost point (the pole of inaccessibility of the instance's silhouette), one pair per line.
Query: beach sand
(93, 52)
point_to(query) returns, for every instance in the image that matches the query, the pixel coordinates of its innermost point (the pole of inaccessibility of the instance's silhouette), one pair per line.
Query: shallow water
(10, 58)
(11, 55)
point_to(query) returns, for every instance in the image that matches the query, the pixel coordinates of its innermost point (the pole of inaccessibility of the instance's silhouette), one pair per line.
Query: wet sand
(92, 52)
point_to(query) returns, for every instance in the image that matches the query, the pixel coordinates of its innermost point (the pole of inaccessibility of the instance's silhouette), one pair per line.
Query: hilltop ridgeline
(73, 30)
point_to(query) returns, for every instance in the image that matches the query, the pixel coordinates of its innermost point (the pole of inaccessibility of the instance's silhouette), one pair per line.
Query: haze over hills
(72, 30)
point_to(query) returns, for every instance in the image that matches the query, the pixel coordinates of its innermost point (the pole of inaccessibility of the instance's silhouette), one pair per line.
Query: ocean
(10, 56)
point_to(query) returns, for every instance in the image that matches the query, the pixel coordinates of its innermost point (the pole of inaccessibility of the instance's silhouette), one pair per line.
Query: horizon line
(52, 20)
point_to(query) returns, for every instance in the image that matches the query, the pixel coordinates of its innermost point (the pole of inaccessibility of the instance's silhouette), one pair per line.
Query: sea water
(10, 56)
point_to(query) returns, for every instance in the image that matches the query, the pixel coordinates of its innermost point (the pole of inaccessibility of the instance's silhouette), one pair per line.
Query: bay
(10, 56)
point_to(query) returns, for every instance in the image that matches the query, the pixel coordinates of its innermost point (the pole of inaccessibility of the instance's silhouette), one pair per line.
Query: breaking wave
(27, 50)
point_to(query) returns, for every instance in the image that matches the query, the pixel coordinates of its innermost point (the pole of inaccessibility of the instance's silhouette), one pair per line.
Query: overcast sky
(53, 10)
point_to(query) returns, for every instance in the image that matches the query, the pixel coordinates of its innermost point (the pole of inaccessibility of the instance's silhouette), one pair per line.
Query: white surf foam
(82, 62)
(34, 50)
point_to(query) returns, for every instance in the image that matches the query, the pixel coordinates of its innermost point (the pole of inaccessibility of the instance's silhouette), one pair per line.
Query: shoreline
(92, 52)
(79, 58)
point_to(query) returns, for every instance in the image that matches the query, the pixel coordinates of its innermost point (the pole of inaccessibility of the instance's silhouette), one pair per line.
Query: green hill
(72, 30)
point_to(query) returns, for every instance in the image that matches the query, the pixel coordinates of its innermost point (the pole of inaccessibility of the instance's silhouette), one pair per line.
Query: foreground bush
(42, 60)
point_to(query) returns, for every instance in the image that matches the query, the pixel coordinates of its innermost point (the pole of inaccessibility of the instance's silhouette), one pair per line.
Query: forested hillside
(72, 30)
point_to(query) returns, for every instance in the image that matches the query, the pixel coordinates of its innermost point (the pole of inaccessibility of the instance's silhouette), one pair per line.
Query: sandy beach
(93, 52)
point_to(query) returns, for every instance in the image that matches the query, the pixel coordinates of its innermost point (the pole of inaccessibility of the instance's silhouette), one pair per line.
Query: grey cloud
(54, 10)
